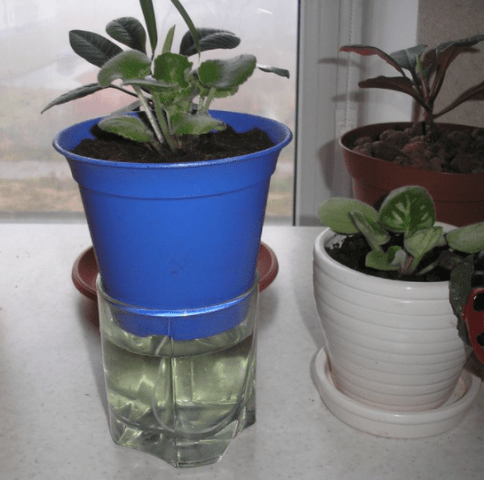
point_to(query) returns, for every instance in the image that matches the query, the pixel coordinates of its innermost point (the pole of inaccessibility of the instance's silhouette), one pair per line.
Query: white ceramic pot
(392, 345)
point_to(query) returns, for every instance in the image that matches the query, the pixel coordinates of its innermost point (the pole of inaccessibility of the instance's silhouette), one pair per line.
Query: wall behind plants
(444, 20)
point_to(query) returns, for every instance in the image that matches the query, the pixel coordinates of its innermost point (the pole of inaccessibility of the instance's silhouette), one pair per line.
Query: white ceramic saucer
(395, 424)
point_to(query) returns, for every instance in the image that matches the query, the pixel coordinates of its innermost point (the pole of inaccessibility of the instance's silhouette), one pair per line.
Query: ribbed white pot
(392, 344)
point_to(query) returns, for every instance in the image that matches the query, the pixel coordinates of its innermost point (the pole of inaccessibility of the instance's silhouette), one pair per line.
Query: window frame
(326, 107)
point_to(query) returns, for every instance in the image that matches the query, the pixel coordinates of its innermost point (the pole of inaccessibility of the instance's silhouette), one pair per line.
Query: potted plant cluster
(382, 282)
(446, 159)
(175, 214)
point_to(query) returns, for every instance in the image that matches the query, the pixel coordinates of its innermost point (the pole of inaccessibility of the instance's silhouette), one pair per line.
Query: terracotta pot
(458, 197)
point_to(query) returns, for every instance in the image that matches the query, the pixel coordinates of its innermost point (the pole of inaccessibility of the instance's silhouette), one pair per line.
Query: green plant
(427, 72)
(408, 211)
(165, 84)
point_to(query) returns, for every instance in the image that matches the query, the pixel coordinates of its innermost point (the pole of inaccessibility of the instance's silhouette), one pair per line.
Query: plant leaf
(188, 21)
(150, 20)
(335, 214)
(282, 72)
(407, 209)
(128, 127)
(187, 124)
(225, 74)
(209, 39)
(440, 58)
(459, 288)
(398, 84)
(462, 43)
(168, 40)
(74, 95)
(374, 233)
(93, 47)
(468, 239)
(125, 66)
(128, 31)
(422, 241)
(149, 84)
(171, 69)
(407, 58)
(392, 259)
(473, 93)
(367, 50)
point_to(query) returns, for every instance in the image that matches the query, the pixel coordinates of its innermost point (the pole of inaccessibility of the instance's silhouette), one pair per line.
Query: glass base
(182, 452)
(180, 400)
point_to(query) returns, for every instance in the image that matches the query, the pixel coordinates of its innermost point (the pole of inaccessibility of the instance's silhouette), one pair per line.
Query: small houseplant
(390, 332)
(172, 126)
(386, 156)
(176, 236)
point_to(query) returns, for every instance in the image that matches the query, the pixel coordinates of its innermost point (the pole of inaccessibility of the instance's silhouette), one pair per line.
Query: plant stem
(160, 114)
(151, 118)
(208, 100)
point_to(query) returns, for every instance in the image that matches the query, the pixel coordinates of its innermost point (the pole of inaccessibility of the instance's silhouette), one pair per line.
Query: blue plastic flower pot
(175, 236)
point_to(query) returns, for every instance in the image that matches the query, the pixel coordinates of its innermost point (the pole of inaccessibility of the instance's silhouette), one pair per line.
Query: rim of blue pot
(219, 114)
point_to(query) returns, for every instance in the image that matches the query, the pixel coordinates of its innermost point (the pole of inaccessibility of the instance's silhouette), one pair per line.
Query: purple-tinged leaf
(474, 93)
(398, 84)
(366, 51)
(442, 56)
(462, 43)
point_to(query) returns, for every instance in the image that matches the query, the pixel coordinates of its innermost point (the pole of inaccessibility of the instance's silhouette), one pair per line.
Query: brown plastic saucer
(85, 270)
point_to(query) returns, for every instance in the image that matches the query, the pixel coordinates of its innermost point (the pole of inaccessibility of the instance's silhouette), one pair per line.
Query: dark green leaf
(129, 32)
(209, 39)
(188, 21)
(150, 20)
(407, 209)
(125, 66)
(74, 95)
(407, 58)
(93, 47)
(282, 72)
(459, 288)
(224, 74)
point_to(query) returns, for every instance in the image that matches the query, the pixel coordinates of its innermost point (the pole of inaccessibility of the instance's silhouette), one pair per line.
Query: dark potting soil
(211, 146)
(352, 250)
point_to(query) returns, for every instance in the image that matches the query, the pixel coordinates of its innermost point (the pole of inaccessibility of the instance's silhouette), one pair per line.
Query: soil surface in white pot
(459, 151)
(211, 146)
(352, 250)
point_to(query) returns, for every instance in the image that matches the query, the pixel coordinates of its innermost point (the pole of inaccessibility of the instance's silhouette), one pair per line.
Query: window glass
(40, 65)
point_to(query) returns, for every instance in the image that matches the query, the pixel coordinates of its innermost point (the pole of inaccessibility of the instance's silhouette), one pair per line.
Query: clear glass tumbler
(180, 398)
